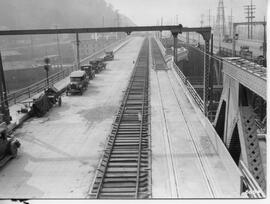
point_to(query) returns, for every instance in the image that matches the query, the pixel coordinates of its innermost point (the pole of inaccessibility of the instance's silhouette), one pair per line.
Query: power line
(250, 10)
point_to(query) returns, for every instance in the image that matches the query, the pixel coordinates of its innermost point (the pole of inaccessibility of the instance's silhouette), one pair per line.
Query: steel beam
(175, 46)
(128, 30)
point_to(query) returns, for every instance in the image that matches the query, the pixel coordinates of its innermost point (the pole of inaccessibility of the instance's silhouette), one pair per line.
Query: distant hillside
(27, 14)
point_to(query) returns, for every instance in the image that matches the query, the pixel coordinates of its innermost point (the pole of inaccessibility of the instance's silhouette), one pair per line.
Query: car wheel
(59, 101)
(13, 149)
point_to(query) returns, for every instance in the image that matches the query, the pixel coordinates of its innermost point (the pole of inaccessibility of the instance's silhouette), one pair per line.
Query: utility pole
(117, 21)
(32, 46)
(230, 23)
(161, 23)
(59, 51)
(202, 16)
(250, 10)
(78, 50)
(264, 42)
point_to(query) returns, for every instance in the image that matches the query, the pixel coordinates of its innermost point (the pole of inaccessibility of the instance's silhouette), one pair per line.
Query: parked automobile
(109, 56)
(53, 95)
(78, 82)
(245, 52)
(101, 63)
(98, 65)
(227, 39)
(8, 146)
(89, 69)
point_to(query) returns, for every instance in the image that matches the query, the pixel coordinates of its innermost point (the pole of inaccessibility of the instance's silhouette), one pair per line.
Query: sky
(148, 12)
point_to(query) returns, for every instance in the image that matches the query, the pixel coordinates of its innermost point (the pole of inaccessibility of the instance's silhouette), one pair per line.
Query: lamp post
(46, 67)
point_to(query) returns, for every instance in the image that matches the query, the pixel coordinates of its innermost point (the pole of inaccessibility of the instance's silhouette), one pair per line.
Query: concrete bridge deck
(60, 151)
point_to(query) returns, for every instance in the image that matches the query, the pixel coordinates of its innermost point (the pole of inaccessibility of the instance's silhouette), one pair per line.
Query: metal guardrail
(190, 88)
(37, 87)
(253, 189)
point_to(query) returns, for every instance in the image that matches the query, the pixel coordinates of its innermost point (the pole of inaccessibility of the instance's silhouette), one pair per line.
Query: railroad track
(124, 168)
(158, 59)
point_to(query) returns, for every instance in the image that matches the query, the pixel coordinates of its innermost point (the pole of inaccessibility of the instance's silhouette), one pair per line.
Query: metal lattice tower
(220, 28)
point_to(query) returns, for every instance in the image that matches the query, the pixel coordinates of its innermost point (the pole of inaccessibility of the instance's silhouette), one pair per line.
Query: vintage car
(78, 82)
(8, 146)
(98, 65)
(89, 69)
(109, 56)
(245, 52)
(53, 95)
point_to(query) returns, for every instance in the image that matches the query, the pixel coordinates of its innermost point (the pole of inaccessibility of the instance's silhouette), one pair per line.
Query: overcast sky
(147, 12)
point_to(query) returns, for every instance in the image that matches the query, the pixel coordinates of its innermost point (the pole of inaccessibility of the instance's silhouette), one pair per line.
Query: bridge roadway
(61, 151)
(188, 158)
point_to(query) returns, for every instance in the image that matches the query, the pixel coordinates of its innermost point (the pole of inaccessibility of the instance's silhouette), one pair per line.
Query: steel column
(234, 40)
(2, 103)
(3, 81)
(175, 46)
(264, 42)
(3, 94)
(206, 78)
(211, 76)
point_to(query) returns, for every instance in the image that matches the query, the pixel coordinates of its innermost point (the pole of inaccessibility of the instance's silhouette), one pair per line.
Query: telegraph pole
(202, 16)
(59, 51)
(78, 50)
(230, 23)
(250, 10)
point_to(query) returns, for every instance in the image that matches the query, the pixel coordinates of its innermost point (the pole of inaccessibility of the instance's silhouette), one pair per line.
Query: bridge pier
(236, 124)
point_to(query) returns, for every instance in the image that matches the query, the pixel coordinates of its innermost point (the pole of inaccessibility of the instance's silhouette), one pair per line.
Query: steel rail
(119, 174)
(114, 137)
(141, 131)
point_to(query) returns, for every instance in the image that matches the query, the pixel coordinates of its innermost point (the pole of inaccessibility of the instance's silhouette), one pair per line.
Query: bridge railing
(253, 189)
(37, 87)
(190, 88)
